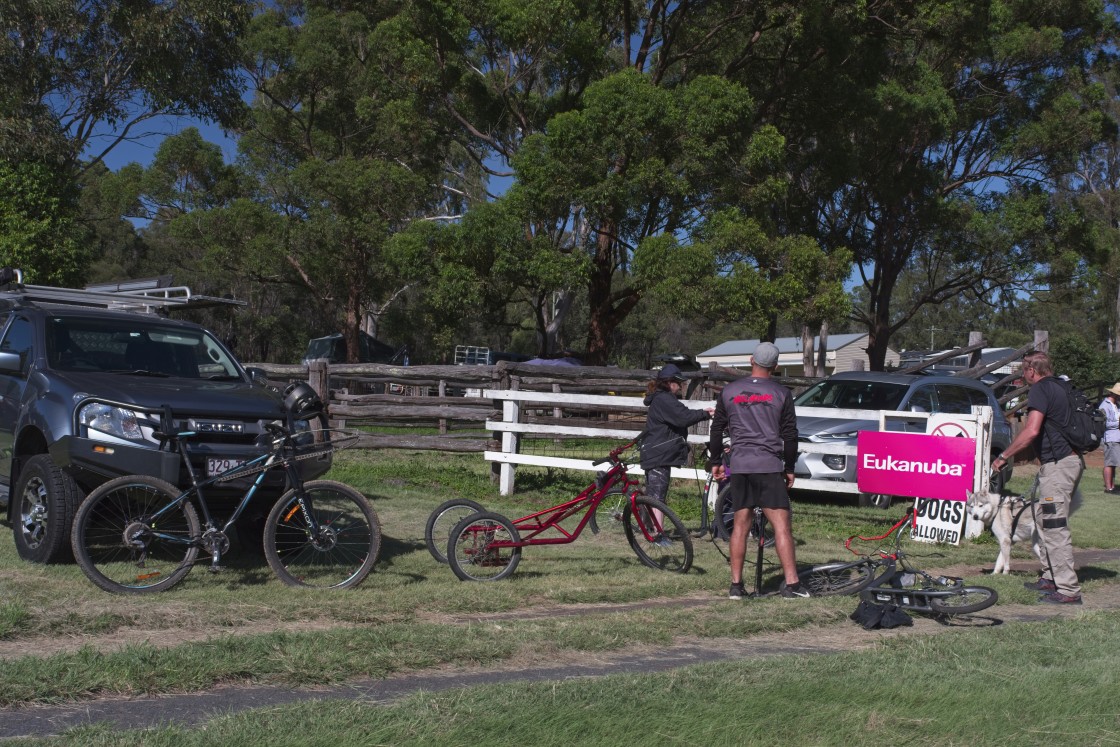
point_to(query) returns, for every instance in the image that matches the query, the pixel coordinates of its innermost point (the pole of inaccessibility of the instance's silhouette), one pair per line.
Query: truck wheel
(41, 511)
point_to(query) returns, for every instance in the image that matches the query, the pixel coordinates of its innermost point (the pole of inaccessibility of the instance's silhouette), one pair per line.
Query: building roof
(785, 345)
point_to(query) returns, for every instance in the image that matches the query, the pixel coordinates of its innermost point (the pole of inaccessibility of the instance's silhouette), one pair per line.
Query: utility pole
(933, 329)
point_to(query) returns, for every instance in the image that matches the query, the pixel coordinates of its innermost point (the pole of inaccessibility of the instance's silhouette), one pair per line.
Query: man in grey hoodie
(759, 414)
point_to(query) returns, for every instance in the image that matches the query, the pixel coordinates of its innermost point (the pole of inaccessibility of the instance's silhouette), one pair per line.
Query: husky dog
(1011, 519)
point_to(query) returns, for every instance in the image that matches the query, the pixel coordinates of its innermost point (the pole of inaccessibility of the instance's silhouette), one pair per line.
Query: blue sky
(143, 149)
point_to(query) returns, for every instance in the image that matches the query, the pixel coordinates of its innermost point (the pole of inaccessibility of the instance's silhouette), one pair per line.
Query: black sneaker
(797, 591)
(1042, 584)
(737, 591)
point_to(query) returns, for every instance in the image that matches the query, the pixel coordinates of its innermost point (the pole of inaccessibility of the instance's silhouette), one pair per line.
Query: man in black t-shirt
(1060, 471)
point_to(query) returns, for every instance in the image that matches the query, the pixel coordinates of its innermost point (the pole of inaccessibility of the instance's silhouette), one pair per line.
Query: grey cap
(670, 371)
(765, 354)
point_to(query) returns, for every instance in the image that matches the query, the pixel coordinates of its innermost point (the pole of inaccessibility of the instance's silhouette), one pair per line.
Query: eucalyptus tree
(922, 134)
(621, 152)
(344, 149)
(81, 77)
(1090, 191)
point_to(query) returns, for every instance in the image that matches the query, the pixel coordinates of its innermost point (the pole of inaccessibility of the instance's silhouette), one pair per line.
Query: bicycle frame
(534, 525)
(261, 464)
(486, 546)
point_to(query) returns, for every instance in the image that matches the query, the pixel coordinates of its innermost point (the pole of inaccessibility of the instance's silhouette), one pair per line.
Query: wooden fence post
(511, 442)
(318, 378)
(975, 338)
(1042, 341)
(442, 421)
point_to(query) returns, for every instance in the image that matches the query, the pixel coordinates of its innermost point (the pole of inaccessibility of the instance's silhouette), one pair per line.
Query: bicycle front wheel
(663, 544)
(833, 579)
(608, 514)
(725, 516)
(122, 549)
(482, 547)
(968, 599)
(329, 542)
(443, 520)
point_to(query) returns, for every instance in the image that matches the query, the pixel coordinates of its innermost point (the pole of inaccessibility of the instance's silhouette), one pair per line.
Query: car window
(921, 400)
(957, 400)
(18, 339)
(853, 394)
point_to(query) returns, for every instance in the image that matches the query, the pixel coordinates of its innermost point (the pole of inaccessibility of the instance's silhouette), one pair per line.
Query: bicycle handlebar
(614, 454)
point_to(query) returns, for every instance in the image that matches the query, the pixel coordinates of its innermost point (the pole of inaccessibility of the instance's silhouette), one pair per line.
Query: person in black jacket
(665, 442)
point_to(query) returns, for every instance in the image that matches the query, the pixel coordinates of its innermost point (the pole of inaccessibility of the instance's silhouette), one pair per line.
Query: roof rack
(152, 295)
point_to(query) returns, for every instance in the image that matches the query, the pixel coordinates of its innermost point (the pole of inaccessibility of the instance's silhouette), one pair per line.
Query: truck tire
(41, 511)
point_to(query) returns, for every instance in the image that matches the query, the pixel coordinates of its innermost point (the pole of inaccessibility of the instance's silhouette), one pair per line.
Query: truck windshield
(141, 347)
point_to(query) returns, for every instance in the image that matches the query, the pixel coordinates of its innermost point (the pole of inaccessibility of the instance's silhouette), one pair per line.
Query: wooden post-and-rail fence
(463, 404)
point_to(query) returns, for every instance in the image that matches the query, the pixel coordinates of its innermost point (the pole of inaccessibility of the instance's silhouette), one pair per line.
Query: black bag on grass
(873, 616)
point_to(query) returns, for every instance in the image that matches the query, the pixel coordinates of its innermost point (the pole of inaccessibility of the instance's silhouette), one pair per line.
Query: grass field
(64, 640)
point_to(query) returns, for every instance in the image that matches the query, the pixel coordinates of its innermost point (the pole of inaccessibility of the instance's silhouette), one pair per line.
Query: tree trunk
(822, 351)
(806, 350)
(879, 337)
(352, 333)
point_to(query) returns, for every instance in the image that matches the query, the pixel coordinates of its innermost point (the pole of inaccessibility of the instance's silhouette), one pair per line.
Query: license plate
(216, 466)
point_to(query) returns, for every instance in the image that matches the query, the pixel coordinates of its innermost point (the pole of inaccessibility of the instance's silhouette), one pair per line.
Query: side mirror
(10, 363)
(257, 376)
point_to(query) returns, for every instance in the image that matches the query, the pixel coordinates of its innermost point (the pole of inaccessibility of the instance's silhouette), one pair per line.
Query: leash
(1005, 500)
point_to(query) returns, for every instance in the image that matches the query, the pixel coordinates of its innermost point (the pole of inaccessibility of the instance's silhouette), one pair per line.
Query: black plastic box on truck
(85, 376)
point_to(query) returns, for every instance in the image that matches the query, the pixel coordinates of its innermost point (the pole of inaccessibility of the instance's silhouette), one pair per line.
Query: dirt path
(196, 708)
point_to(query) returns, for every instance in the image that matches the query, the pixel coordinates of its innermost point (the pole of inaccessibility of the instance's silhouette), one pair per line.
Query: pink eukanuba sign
(914, 464)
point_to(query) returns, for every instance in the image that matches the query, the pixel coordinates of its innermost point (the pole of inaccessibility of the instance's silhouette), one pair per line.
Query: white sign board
(940, 520)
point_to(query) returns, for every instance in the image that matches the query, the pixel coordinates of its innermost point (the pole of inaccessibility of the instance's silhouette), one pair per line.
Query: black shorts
(764, 490)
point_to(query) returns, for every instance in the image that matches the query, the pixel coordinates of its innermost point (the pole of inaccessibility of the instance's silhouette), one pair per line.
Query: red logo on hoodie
(754, 399)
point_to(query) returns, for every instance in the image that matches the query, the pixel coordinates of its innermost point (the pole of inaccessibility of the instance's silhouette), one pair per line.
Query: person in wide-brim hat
(1110, 407)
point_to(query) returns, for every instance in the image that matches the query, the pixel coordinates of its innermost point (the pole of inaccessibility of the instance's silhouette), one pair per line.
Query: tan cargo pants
(1056, 483)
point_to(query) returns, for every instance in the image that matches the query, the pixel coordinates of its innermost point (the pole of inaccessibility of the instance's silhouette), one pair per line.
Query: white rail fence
(515, 402)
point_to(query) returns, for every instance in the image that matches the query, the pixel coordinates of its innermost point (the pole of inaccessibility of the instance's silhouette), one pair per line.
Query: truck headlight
(301, 433)
(106, 422)
(845, 436)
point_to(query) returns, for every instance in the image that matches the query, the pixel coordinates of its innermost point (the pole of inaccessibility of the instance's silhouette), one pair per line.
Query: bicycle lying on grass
(139, 534)
(486, 546)
(886, 576)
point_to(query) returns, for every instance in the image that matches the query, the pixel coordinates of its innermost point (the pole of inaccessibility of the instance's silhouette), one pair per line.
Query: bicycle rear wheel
(725, 520)
(833, 579)
(443, 520)
(121, 549)
(479, 547)
(968, 599)
(665, 545)
(340, 554)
